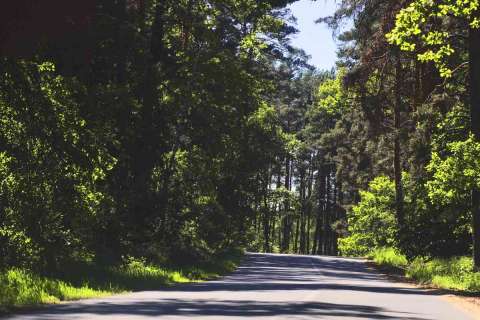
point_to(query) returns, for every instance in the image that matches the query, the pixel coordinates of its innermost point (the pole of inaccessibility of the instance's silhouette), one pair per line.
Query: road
(269, 286)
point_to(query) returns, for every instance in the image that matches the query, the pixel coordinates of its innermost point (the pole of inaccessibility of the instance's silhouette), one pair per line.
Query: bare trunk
(319, 234)
(304, 207)
(326, 222)
(474, 59)
(334, 218)
(297, 234)
(266, 220)
(397, 165)
(286, 220)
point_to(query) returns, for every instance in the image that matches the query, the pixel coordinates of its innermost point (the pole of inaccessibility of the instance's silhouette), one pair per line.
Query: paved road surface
(271, 287)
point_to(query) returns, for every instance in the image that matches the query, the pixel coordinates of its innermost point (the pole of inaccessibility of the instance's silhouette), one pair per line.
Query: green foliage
(419, 24)
(371, 223)
(331, 95)
(428, 222)
(398, 97)
(389, 257)
(22, 288)
(150, 145)
(455, 273)
(19, 287)
(454, 175)
(193, 127)
(330, 104)
(51, 166)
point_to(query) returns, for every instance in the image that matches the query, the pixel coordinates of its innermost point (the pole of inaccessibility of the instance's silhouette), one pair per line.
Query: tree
(419, 24)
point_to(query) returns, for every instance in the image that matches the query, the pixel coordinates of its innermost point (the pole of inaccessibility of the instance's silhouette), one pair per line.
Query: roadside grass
(23, 288)
(388, 257)
(456, 274)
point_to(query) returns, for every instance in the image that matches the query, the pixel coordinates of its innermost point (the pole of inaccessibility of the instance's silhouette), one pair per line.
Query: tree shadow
(276, 274)
(286, 273)
(223, 308)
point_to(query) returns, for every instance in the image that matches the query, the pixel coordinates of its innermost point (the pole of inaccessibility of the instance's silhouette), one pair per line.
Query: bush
(19, 287)
(388, 257)
(22, 288)
(371, 223)
(455, 273)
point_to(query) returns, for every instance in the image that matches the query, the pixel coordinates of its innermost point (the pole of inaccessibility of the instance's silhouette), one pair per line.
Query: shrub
(371, 223)
(455, 273)
(20, 287)
(388, 257)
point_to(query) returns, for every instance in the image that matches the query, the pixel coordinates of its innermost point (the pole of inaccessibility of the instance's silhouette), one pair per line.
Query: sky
(316, 39)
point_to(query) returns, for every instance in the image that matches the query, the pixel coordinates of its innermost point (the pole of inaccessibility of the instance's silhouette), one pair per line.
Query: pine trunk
(397, 165)
(474, 59)
(286, 219)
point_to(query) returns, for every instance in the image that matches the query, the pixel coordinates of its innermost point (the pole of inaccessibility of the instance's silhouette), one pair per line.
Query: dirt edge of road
(470, 304)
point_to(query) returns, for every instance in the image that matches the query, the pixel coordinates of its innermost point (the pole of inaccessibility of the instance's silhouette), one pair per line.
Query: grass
(388, 257)
(21, 288)
(456, 274)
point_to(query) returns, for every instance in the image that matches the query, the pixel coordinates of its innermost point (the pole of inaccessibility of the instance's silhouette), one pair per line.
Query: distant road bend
(269, 286)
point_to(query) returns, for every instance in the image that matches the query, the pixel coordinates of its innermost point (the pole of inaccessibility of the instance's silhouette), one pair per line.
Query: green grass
(388, 257)
(455, 274)
(20, 288)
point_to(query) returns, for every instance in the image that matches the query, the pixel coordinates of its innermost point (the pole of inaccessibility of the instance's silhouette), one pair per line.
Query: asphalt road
(270, 286)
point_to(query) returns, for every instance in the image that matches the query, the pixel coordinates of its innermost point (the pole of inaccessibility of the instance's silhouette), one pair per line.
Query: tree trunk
(266, 221)
(286, 220)
(474, 59)
(309, 212)
(397, 165)
(327, 215)
(334, 216)
(338, 211)
(319, 234)
(297, 235)
(301, 218)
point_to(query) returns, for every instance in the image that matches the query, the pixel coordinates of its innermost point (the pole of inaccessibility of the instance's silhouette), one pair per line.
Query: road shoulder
(468, 303)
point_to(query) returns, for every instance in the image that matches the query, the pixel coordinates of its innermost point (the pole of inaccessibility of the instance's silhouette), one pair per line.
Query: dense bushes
(388, 257)
(455, 273)
(20, 287)
(432, 228)
(51, 167)
(150, 150)
(371, 223)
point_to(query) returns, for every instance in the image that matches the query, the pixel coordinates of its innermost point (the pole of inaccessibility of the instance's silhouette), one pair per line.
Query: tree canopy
(171, 130)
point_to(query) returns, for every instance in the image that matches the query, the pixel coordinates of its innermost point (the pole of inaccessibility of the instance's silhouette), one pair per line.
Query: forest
(170, 131)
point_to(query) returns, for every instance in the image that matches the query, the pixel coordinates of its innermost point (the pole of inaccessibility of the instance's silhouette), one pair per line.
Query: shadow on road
(174, 307)
(282, 273)
(258, 273)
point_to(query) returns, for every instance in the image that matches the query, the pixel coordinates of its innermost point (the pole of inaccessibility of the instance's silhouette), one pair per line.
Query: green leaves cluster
(150, 144)
(422, 28)
(456, 173)
(372, 222)
(50, 168)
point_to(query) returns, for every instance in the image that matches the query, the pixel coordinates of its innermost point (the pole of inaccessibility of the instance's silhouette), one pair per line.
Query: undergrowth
(20, 288)
(455, 273)
(389, 257)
